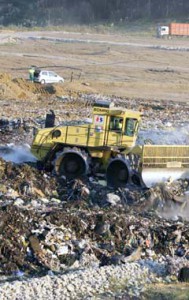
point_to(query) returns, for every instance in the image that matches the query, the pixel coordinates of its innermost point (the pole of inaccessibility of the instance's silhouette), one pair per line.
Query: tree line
(60, 12)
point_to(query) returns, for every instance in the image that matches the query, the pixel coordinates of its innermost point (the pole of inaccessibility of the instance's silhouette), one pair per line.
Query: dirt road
(121, 65)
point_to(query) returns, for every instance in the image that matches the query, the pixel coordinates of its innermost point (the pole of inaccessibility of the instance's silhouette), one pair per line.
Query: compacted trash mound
(57, 238)
(50, 224)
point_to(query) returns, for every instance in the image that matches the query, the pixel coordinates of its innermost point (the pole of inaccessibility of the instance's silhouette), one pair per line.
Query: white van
(44, 76)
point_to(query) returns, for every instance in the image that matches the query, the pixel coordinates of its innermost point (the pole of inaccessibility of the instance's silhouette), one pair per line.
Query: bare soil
(131, 66)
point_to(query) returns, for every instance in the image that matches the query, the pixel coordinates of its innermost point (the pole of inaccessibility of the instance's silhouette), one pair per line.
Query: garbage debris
(184, 274)
(51, 225)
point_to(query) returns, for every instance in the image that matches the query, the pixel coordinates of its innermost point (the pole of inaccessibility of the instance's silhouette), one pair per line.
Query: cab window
(130, 126)
(116, 124)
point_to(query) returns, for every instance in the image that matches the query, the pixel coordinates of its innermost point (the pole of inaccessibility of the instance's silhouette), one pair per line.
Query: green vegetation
(116, 12)
(133, 28)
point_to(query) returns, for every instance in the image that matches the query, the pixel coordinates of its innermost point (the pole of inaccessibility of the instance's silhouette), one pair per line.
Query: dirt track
(121, 65)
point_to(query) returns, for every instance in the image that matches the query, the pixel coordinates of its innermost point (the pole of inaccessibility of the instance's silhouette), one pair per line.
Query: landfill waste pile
(162, 122)
(75, 239)
(48, 224)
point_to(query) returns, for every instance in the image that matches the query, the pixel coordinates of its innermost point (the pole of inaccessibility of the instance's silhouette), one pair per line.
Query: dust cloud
(169, 136)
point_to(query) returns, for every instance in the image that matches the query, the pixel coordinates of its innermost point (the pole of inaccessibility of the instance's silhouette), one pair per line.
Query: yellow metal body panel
(101, 120)
(95, 135)
(162, 162)
(165, 156)
(102, 141)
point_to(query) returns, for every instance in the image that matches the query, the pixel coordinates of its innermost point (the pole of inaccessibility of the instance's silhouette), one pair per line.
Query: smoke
(170, 200)
(169, 136)
(17, 154)
(177, 211)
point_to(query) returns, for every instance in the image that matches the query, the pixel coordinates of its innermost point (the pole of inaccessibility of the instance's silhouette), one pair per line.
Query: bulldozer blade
(162, 162)
(152, 176)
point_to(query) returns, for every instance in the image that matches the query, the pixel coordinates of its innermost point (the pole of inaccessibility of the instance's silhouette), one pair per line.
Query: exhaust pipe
(50, 119)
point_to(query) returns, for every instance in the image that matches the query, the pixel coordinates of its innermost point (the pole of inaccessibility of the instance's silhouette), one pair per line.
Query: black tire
(135, 178)
(117, 174)
(42, 81)
(72, 166)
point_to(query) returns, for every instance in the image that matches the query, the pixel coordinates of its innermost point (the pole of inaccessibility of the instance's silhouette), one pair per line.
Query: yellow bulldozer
(108, 144)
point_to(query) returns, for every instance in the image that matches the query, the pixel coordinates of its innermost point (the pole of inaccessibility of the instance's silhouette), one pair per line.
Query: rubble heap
(50, 224)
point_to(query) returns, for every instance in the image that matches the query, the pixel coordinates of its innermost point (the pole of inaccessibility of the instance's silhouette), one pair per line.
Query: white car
(44, 76)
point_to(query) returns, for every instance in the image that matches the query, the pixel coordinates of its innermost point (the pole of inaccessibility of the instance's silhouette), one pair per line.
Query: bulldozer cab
(117, 126)
(127, 127)
(112, 127)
